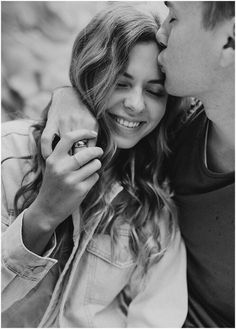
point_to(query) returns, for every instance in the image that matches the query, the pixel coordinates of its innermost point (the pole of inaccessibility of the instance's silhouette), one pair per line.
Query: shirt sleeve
(162, 301)
(21, 268)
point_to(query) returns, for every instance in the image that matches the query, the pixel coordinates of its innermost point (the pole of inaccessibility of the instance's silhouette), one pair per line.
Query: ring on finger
(81, 143)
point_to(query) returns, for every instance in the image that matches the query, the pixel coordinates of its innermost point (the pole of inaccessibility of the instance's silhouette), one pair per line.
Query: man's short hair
(215, 12)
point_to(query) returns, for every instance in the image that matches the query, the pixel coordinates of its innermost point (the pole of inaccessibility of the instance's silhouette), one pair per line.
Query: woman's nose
(134, 102)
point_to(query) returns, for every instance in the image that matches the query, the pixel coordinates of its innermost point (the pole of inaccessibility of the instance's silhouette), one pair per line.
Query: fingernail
(94, 132)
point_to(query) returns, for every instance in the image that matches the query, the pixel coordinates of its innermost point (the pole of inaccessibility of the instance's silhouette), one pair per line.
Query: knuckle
(81, 188)
(67, 137)
(49, 162)
(69, 182)
(45, 137)
(55, 171)
(61, 119)
(53, 167)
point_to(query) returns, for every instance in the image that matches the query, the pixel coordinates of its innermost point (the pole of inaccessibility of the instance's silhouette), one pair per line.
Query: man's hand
(67, 113)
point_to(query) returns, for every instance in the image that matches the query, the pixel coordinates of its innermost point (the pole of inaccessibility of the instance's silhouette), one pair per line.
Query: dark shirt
(206, 216)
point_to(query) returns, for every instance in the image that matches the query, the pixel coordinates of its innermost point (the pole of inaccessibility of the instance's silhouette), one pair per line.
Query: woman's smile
(126, 123)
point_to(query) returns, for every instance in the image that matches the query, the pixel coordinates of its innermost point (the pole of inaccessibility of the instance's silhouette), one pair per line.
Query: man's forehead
(182, 5)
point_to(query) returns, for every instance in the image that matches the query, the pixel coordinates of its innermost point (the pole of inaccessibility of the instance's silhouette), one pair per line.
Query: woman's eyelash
(156, 93)
(151, 92)
(172, 20)
(120, 84)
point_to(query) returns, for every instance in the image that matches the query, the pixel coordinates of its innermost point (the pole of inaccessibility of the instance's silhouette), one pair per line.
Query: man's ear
(228, 50)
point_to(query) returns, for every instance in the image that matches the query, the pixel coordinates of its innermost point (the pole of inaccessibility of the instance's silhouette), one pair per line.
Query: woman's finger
(85, 155)
(92, 142)
(88, 183)
(87, 170)
(46, 141)
(67, 140)
(48, 133)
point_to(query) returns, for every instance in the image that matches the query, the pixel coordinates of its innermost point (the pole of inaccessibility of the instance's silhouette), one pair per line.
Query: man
(198, 60)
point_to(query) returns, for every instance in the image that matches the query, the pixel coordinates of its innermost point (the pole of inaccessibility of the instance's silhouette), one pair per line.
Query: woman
(96, 242)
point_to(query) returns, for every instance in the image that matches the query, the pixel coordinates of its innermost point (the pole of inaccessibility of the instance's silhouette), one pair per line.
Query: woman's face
(138, 101)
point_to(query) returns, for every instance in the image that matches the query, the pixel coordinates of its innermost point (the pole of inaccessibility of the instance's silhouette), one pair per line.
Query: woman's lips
(127, 123)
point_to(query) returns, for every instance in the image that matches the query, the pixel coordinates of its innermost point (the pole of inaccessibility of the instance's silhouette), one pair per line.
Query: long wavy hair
(100, 54)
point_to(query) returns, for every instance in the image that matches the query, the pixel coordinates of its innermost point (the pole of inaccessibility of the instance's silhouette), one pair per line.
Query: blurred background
(37, 38)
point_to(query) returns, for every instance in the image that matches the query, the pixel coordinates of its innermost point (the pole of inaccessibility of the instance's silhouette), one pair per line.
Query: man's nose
(134, 102)
(162, 37)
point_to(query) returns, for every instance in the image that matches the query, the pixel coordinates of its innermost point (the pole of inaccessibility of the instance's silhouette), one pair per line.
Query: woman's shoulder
(17, 139)
(20, 126)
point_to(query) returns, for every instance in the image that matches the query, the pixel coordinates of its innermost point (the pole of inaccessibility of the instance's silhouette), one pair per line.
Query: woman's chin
(125, 144)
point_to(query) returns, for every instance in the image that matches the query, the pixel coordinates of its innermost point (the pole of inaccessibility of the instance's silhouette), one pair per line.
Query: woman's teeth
(125, 123)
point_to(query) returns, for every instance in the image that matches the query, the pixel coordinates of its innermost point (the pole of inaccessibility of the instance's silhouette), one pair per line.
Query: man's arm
(66, 113)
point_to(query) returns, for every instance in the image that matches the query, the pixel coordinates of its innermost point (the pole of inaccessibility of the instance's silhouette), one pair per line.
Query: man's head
(216, 12)
(199, 37)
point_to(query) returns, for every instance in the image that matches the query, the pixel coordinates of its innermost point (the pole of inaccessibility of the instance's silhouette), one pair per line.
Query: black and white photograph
(118, 164)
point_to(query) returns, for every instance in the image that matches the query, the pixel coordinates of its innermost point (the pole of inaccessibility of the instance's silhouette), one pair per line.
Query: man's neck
(221, 137)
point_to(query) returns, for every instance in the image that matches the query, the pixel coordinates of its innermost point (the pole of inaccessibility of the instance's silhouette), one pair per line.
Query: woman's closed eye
(155, 92)
(122, 84)
(172, 19)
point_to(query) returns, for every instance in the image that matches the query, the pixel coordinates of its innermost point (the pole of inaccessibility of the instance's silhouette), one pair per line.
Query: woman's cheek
(114, 99)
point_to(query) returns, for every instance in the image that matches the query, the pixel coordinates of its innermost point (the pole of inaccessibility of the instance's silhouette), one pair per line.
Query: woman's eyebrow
(154, 81)
(157, 81)
(127, 75)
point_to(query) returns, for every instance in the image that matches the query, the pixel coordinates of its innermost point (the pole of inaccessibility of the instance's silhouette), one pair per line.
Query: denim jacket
(94, 288)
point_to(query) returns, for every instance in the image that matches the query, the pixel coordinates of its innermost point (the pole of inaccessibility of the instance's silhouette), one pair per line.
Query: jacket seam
(16, 272)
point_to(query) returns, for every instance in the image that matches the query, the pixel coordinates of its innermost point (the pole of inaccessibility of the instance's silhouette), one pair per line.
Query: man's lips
(162, 69)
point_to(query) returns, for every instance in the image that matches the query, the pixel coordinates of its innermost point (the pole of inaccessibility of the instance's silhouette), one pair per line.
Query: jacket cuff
(20, 260)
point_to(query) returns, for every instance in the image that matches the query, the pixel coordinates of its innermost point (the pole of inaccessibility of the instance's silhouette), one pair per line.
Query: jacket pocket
(100, 246)
(109, 272)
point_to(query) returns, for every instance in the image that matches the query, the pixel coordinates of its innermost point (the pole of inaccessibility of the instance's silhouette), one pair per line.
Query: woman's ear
(228, 50)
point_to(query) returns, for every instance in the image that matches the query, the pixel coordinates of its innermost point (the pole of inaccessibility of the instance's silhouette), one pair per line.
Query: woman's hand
(66, 182)
(66, 113)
